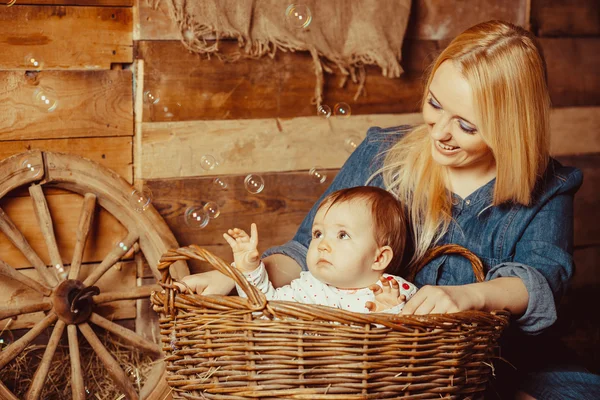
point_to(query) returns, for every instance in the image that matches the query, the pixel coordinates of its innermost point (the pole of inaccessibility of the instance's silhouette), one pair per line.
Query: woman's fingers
(370, 306)
(376, 289)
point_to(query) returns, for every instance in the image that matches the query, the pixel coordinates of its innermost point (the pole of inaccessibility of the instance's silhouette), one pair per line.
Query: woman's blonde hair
(506, 71)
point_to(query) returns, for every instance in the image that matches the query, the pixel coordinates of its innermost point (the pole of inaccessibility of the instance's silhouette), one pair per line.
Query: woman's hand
(211, 282)
(443, 300)
(244, 247)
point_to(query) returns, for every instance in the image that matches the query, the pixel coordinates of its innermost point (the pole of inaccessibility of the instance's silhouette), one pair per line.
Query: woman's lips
(445, 149)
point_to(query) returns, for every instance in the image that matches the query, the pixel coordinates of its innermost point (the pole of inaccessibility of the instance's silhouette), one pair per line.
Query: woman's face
(449, 113)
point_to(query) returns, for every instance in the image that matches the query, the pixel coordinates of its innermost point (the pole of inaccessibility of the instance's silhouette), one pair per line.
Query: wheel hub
(73, 301)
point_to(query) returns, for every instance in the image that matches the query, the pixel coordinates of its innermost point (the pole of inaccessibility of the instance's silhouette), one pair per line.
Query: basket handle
(257, 299)
(435, 252)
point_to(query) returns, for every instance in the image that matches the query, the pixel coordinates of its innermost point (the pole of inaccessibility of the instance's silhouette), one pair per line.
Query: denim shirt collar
(480, 197)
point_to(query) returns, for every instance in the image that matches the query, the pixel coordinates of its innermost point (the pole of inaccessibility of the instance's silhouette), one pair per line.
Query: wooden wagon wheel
(69, 302)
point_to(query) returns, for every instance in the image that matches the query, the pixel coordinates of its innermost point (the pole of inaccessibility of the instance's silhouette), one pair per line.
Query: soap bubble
(220, 183)
(151, 97)
(140, 200)
(33, 62)
(342, 110)
(298, 16)
(351, 143)
(32, 169)
(254, 183)
(324, 111)
(212, 209)
(317, 175)
(170, 113)
(122, 246)
(196, 217)
(60, 270)
(10, 3)
(45, 100)
(208, 162)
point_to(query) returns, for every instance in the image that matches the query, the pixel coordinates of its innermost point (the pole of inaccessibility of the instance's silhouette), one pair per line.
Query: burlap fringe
(204, 40)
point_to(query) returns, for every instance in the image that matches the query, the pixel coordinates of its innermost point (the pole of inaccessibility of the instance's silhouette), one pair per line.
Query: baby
(357, 234)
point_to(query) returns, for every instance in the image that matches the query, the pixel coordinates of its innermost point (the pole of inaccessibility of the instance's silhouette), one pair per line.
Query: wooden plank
(573, 76)
(65, 37)
(119, 278)
(438, 20)
(112, 152)
(194, 88)
(587, 215)
(429, 20)
(87, 3)
(64, 209)
(587, 260)
(90, 104)
(175, 149)
(277, 210)
(565, 17)
(574, 130)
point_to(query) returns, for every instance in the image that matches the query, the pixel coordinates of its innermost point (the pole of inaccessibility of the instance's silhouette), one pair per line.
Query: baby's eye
(316, 234)
(343, 235)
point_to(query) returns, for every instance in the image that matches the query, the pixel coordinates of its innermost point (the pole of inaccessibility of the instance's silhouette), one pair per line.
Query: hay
(18, 374)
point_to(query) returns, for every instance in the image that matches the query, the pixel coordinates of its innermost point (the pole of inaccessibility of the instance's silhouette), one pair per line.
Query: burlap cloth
(343, 34)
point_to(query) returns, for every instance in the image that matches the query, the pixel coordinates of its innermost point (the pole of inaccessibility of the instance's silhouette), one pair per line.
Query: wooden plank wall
(255, 116)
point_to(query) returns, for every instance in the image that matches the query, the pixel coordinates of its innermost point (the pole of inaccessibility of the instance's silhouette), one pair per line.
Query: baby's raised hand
(244, 247)
(387, 296)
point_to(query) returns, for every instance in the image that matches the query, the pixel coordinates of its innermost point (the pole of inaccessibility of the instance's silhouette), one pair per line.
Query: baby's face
(343, 248)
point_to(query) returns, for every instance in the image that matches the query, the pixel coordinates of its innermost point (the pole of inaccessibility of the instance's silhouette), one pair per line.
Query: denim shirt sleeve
(543, 256)
(356, 171)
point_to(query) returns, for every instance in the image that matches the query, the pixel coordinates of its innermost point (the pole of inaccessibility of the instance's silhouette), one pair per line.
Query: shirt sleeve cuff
(541, 308)
(292, 249)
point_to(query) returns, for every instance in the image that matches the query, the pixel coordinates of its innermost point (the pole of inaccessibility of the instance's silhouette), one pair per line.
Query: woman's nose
(440, 128)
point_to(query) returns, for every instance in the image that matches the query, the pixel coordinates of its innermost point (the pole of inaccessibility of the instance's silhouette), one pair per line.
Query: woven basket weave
(228, 347)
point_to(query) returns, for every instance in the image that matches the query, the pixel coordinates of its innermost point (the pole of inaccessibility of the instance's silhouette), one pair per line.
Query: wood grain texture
(193, 88)
(429, 19)
(257, 145)
(112, 152)
(65, 37)
(573, 77)
(119, 278)
(83, 3)
(89, 104)
(64, 210)
(560, 18)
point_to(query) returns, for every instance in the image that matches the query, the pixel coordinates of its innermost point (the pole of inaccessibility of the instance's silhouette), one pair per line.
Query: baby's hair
(389, 221)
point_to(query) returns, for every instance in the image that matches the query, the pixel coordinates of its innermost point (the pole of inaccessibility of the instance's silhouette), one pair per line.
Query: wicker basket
(228, 347)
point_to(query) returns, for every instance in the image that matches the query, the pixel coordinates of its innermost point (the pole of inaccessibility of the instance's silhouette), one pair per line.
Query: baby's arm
(391, 295)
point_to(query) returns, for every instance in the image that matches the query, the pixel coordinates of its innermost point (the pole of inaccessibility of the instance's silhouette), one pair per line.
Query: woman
(478, 174)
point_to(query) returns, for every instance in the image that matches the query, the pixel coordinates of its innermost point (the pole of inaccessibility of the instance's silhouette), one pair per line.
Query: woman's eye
(343, 235)
(434, 104)
(466, 128)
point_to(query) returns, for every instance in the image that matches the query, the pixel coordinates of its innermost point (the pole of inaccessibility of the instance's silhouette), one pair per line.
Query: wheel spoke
(7, 312)
(45, 220)
(17, 347)
(83, 230)
(138, 292)
(112, 366)
(35, 390)
(12, 273)
(17, 238)
(6, 394)
(77, 384)
(112, 257)
(126, 334)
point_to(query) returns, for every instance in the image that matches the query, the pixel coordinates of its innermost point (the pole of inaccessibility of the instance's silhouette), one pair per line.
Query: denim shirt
(533, 243)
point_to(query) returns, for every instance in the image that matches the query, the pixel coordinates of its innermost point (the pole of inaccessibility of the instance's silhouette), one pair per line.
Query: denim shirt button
(468, 202)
